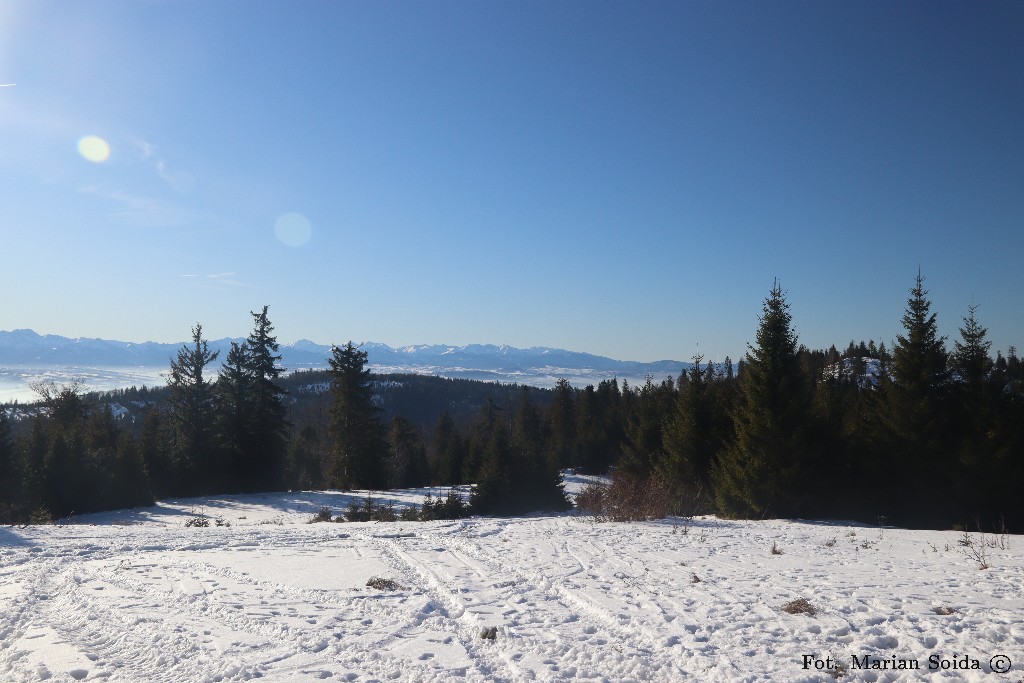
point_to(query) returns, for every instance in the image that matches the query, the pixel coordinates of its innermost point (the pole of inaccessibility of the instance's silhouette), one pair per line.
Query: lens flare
(94, 148)
(293, 229)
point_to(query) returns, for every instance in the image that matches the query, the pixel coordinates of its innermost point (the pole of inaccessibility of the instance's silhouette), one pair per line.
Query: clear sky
(621, 178)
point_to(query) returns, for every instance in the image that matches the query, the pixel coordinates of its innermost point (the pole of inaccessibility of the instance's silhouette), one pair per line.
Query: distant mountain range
(536, 366)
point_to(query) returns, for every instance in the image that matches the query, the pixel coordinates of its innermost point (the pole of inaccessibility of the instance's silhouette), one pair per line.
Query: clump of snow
(136, 595)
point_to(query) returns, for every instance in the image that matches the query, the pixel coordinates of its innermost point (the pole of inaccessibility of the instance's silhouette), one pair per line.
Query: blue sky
(620, 178)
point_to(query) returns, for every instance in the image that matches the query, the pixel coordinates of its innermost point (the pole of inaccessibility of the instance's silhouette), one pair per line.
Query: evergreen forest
(924, 434)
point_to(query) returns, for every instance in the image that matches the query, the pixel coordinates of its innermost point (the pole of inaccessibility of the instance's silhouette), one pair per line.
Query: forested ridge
(924, 433)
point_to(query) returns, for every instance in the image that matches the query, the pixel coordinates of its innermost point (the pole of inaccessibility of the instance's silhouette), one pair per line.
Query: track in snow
(275, 599)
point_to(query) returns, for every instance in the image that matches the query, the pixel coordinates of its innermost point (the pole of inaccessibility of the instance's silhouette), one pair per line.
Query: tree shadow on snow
(10, 538)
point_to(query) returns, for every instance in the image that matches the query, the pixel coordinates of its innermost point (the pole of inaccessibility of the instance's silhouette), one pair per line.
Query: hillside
(138, 596)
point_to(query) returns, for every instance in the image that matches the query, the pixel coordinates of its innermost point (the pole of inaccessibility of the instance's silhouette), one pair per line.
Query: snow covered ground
(138, 596)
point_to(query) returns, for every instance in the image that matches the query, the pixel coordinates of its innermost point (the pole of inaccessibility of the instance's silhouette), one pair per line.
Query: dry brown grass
(800, 606)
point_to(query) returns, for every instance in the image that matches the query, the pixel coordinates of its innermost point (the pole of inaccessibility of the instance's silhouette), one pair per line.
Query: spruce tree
(233, 392)
(490, 451)
(913, 430)
(646, 411)
(537, 478)
(156, 456)
(447, 451)
(1007, 437)
(407, 458)
(12, 484)
(305, 469)
(129, 479)
(516, 476)
(919, 357)
(67, 478)
(191, 412)
(971, 359)
(976, 405)
(268, 419)
(561, 420)
(764, 470)
(358, 437)
(689, 439)
(600, 426)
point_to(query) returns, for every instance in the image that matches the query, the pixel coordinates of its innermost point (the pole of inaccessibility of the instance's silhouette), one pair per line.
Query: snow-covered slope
(138, 596)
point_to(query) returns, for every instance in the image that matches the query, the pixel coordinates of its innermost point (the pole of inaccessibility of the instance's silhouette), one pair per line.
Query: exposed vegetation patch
(382, 584)
(628, 498)
(800, 606)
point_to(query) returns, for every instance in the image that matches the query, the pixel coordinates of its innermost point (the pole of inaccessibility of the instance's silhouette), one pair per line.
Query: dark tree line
(230, 430)
(75, 458)
(920, 434)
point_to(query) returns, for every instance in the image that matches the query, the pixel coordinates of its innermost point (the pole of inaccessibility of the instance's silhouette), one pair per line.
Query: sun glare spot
(94, 148)
(293, 229)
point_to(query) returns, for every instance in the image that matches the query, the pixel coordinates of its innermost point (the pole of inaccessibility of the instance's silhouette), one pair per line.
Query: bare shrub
(775, 549)
(1004, 534)
(591, 499)
(975, 548)
(800, 606)
(627, 498)
(200, 522)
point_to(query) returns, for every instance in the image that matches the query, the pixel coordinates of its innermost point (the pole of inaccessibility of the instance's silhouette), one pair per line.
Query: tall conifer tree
(448, 451)
(407, 458)
(12, 483)
(233, 393)
(191, 411)
(690, 443)
(358, 437)
(912, 419)
(762, 471)
(561, 420)
(971, 359)
(978, 479)
(268, 421)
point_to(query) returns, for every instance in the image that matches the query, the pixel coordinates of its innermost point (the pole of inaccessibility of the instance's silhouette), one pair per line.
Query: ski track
(571, 600)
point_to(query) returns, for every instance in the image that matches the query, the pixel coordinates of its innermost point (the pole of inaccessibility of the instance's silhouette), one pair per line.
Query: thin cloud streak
(142, 211)
(181, 181)
(226, 279)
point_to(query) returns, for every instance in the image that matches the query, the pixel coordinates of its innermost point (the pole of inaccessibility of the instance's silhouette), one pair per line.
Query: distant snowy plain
(136, 595)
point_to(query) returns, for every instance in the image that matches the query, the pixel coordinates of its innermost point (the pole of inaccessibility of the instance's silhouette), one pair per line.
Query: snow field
(137, 596)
